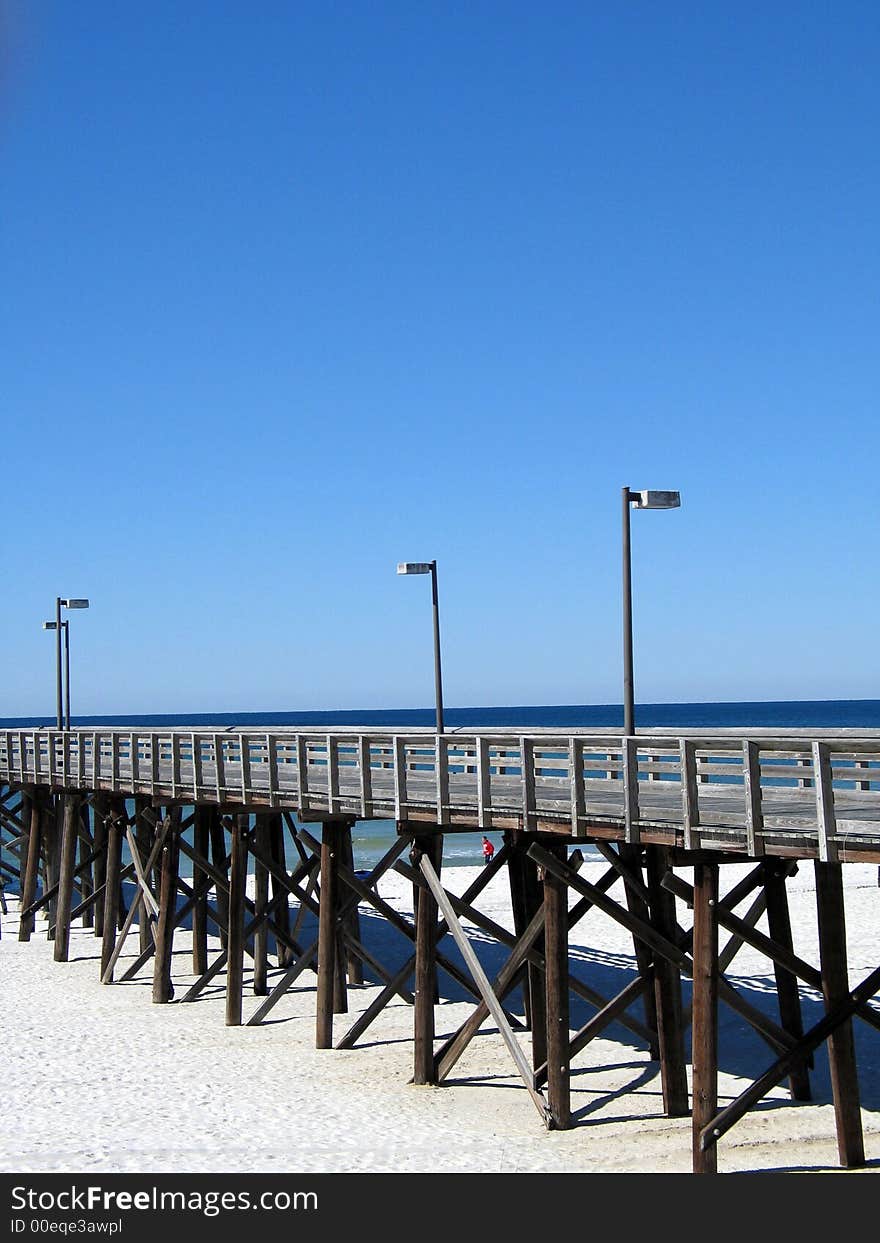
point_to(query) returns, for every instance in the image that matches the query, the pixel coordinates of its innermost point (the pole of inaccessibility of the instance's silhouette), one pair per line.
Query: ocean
(372, 838)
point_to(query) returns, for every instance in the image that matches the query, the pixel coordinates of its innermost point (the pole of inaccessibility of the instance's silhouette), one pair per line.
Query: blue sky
(292, 292)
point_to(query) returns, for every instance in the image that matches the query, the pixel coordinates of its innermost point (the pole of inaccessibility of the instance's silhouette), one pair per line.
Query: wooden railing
(746, 790)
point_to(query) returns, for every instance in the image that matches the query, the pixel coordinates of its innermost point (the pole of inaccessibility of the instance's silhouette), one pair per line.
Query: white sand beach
(97, 1078)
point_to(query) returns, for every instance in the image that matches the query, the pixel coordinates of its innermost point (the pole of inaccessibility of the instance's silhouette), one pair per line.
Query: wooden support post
(51, 843)
(776, 872)
(237, 891)
(517, 862)
(67, 864)
(144, 833)
(705, 1014)
(835, 989)
(355, 967)
(169, 861)
(556, 962)
(34, 809)
(219, 857)
(327, 933)
(86, 882)
(112, 894)
(631, 856)
(424, 1072)
(200, 909)
(667, 990)
(99, 833)
(261, 902)
(279, 894)
(535, 984)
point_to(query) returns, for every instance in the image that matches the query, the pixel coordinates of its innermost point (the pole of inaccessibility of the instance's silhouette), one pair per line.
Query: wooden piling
(327, 933)
(235, 944)
(144, 833)
(169, 861)
(354, 966)
(280, 896)
(51, 846)
(667, 990)
(704, 1039)
(261, 902)
(200, 908)
(99, 835)
(66, 866)
(33, 811)
(219, 858)
(631, 855)
(86, 846)
(112, 894)
(835, 989)
(556, 994)
(426, 963)
(779, 927)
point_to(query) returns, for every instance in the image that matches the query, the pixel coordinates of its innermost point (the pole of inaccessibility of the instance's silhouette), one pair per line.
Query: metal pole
(66, 625)
(58, 689)
(438, 680)
(628, 696)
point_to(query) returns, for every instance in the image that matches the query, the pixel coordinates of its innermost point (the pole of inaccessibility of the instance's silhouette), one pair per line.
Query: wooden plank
(332, 745)
(825, 822)
(245, 756)
(632, 831)
(399, 750)
(752, 791)
(219, 769)
(196, 746)
(366, 776)
(302, 773)
(576, 784)
(527, 782)
(441, 770)
(484, 783)
(690, 804)
(835, 991)
(704, 1038)
(485, 988)
(272, 753)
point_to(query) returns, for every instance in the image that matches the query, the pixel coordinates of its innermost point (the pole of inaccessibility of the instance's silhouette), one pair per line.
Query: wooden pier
(89, 815)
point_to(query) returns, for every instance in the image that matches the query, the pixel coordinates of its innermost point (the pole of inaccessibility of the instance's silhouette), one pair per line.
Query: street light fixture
(430, 567)
(58, 625)
(639, 500)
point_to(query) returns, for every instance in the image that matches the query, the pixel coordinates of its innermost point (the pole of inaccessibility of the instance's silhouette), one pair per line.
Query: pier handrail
(749, 790)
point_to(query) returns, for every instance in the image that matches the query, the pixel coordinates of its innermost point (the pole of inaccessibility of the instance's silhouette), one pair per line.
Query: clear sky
(293, 291)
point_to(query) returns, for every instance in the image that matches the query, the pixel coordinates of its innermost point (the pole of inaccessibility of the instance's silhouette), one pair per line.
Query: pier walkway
(90, 816)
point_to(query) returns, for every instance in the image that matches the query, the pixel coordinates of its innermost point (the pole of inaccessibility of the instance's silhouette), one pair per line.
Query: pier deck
(794, 793)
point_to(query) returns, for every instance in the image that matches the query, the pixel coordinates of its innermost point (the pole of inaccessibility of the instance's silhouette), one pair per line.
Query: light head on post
(655, 500)
(75, 604)
(414, 567)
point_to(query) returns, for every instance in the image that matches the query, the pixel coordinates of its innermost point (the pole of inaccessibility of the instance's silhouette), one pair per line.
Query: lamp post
(641, 500)
(58, 625)
(430, 567)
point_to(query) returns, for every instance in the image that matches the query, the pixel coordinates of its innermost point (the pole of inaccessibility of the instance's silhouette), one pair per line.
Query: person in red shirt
(488, 851)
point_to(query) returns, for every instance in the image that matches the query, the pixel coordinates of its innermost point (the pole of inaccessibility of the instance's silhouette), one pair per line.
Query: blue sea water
(372, 838)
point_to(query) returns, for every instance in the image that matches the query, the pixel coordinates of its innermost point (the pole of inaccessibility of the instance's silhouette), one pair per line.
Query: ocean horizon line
(861, 711)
